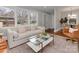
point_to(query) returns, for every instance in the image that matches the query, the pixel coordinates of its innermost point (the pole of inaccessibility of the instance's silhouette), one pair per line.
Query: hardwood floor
(60, 33)
(48, 31)
(3, 46)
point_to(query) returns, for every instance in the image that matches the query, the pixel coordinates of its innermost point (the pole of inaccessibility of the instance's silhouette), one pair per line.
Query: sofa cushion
(23, 35)
(34, 28)
(15, 35)
(20, 33)
(13, 29)
(28, 28)
(21, 30)
(36, 32)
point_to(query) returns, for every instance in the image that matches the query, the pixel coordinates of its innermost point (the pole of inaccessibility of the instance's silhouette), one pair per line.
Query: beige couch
(19, 35)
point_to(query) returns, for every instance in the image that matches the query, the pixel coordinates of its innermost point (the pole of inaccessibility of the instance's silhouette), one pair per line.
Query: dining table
(72, 35)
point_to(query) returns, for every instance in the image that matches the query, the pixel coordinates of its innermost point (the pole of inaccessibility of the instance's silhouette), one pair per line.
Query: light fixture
(1, 24)
(71, 15)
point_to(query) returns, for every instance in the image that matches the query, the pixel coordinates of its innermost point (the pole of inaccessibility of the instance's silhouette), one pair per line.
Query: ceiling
(71, 8)
(50, 9)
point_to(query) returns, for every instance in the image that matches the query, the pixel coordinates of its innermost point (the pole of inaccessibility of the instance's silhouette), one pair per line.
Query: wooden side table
(3, 44)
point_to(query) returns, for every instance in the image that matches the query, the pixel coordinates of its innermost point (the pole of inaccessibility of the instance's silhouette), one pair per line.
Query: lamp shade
(1, 24)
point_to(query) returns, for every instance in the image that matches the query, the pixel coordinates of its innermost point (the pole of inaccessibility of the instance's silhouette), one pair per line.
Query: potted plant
(45, 35)
(63, 21)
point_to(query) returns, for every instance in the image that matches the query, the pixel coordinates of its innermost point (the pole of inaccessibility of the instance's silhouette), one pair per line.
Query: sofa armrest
(10, 33)
(10, 37)
(41, 28)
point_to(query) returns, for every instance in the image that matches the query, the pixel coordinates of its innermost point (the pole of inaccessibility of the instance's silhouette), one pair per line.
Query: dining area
(72, 34)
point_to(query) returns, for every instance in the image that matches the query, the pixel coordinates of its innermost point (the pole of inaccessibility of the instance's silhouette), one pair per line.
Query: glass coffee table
(37, 43)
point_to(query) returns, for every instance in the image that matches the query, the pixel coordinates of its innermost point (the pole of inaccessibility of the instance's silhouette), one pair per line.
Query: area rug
(60, 46)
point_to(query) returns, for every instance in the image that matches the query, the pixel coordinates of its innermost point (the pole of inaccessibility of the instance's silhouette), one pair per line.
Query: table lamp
(1, 24)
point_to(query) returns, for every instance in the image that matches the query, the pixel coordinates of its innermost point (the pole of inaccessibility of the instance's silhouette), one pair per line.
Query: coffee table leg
(53, 39)
(41, 47)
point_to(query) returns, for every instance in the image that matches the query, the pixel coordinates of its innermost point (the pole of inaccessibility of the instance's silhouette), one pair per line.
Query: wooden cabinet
(3, 45)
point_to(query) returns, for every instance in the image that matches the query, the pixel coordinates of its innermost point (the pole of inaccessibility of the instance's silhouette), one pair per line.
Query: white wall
(42, 21)
(53, 21)
(61, 14)
(48, 21)
(57, 17)
(40, 18)
(65, 14)
(45, 20)
(52, 25)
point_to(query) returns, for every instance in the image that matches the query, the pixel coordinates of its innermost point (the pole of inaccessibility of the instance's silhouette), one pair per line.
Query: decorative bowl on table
(45, 36)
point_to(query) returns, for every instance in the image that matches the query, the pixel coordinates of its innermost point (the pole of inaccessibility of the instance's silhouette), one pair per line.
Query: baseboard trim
(57, 29)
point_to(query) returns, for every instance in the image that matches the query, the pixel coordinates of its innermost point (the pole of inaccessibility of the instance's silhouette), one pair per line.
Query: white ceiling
(50, 9)
(47, 9)
(71, 8)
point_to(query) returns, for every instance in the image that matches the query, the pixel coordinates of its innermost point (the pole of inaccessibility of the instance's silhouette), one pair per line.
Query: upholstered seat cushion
(23, 35)
(15, 35)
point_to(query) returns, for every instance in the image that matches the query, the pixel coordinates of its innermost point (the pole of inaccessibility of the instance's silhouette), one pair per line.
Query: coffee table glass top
(37, 40)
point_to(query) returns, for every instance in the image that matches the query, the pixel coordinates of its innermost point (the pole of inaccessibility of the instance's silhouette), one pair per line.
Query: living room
(20, 19)
(20, 26)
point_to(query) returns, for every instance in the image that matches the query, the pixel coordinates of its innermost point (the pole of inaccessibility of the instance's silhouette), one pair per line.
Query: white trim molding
(55, 30)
